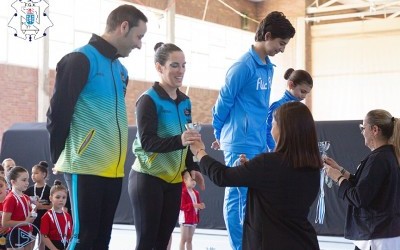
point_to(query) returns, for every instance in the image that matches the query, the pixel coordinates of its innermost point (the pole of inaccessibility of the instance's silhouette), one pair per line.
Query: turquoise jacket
(160, 123)
(87, 117)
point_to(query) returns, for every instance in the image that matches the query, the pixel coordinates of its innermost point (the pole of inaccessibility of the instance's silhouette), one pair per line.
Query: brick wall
(18, 88)
(216, 11)
(202, 101)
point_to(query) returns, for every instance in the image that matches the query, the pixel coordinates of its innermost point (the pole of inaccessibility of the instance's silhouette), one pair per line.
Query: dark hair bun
(287, 74)
(57, 182)
(43, 164)
(184, 172)
(158, 45)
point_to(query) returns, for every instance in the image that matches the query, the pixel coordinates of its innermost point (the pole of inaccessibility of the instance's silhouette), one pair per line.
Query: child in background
(299, 85)
(39, 194)
(189, 214)
(17, 209)
(56, 225)
(2, 171)
(8, 164)
(3, 230)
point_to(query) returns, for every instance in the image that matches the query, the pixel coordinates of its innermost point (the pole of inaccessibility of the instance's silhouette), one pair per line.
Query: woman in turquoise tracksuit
(160, 147)
(240, 112)
(299, 84)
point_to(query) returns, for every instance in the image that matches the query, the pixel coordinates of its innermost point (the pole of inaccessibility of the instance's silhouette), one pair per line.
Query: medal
(2, 240)
(62, 236)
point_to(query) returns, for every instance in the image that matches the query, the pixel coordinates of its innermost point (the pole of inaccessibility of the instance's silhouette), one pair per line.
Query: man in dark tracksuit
(88, 126)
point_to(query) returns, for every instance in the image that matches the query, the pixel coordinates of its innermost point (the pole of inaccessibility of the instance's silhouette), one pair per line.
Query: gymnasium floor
(123, 238)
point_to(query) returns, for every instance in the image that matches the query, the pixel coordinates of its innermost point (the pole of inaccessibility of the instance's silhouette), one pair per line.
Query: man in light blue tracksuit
(240, 112)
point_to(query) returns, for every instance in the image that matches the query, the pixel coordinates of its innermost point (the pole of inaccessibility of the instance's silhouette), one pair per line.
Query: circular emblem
(2, 240)
(21, 235)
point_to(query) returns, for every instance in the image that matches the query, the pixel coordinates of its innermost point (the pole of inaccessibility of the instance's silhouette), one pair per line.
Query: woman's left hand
(198, 177)
(332, 172)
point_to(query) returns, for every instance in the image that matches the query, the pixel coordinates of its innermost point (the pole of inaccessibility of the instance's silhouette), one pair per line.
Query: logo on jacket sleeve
(187, 112)
(30, 19)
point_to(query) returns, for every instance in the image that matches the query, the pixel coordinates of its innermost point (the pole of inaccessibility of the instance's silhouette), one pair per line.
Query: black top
(278, 200)
(45, 200)
(373, 197)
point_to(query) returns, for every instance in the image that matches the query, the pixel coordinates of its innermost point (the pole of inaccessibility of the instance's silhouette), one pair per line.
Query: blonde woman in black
(372, 193)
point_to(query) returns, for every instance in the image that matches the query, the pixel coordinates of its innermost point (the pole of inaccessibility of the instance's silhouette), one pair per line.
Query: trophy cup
(33, 212)
(193, 126)
(323, 147)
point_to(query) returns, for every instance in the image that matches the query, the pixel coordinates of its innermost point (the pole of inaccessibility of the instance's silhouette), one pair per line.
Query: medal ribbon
(63, 236)
(26, 210)
(41, 195)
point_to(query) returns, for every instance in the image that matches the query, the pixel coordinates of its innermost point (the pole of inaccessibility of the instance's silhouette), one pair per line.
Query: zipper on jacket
(180, 126)
(116, 118)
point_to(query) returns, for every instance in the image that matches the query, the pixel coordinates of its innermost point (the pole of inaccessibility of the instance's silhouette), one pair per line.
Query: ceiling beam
(330, 2)
(396, 14)
(350, 15)
(375, 4)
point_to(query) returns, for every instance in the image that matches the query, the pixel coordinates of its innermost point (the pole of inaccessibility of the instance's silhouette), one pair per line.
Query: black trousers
(96, 201)
(156, 206)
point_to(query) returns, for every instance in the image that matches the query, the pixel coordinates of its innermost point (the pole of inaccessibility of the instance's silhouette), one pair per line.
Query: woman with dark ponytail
(161, 150)
(299, 85)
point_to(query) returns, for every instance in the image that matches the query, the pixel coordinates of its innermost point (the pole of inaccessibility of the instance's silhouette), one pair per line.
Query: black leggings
(156, 206)
(97, 200)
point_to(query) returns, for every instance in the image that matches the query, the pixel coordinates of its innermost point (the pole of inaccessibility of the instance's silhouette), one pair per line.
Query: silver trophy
(323, 147)
(33, 212)
(194, 126)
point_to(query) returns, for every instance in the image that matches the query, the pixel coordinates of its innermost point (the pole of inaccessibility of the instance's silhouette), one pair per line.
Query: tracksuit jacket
(87, 118)
(287, 97)
(163, 155)
(239, 115)
(189, 214)
(239, 121)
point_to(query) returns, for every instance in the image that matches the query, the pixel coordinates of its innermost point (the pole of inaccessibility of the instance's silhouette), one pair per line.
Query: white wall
(356, 68)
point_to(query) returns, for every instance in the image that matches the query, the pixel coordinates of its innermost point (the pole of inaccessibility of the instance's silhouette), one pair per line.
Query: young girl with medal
(56, 224)
(3, 230)
(17, 211)
(39, 194)
(189, 213)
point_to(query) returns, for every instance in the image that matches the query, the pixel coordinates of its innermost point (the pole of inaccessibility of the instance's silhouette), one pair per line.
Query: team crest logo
(187, 111)
(30, 19)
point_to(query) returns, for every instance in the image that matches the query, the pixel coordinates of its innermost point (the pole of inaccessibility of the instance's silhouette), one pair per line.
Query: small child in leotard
(56, 224)
(189, 214)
